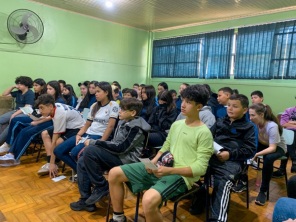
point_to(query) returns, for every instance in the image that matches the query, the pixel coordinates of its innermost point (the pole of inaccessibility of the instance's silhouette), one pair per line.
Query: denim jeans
(91, 167)
(284, 209)
(4, 121)
(16, 125)
(25, 137)
(67, 151)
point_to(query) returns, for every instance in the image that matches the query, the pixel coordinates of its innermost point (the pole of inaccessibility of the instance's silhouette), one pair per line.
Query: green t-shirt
(191, 147)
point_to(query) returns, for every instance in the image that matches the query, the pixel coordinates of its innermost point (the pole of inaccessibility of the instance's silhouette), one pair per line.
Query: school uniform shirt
(289, 115)
(23, 99)
(66, 117)
(101, 118)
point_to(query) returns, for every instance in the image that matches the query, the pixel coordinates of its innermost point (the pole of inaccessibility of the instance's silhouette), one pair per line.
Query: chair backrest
(288, 136)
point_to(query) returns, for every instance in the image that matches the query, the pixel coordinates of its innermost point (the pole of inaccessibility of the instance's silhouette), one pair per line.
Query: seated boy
(191, 144)
(237, 137)
(130, 93)
(23, 97)
(257, 97)
(223, 97)
(66, 123)
(99, 156)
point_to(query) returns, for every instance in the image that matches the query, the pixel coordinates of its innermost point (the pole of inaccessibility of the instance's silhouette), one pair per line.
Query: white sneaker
(44, 170)
(4, 148)
(8, 160)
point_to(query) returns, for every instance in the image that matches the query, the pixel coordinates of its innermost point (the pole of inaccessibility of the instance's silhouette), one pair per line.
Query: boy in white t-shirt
(66, 123)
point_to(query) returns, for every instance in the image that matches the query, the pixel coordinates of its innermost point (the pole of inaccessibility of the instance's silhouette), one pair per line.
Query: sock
(118, 216)
(48, 158)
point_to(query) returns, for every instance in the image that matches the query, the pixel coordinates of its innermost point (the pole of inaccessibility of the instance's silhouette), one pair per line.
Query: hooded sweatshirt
(128, 140)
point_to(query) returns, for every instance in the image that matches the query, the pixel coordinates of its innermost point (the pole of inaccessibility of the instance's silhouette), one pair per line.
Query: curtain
(283, 62)
(253, 52)
(217, 55)
(176, 57)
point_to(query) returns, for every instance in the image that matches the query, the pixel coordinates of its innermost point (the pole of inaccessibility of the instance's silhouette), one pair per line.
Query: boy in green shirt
(191, 144)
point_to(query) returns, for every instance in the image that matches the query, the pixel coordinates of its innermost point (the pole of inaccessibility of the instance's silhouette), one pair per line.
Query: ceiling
(157, 15)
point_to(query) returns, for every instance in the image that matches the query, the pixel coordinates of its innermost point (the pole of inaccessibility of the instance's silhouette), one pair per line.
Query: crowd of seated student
(62, 143)
(99, 125)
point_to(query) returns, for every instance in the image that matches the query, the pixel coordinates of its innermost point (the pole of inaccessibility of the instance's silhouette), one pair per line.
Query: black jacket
(160, 120)
(238, 137)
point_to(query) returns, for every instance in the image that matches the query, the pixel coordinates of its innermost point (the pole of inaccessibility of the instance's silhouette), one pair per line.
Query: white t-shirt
(101, 119)
(66, 117)
(270, 135)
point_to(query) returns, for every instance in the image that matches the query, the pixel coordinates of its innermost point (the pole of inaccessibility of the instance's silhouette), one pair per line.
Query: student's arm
(40, 120)
(163, 171)
(122, 147)
(109, 129)
(8, 90)
(270, 149)
(52, 168)
(285, 119)
(82, 130)
(16, 113)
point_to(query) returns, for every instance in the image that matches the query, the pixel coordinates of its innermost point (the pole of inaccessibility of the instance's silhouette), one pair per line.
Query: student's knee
(116, 175)
(44, 134)
(151, 200)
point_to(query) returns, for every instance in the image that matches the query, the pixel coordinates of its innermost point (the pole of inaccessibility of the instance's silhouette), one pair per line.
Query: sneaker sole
(83, 209)
(43, 173)
(259, 203)
(239, 191)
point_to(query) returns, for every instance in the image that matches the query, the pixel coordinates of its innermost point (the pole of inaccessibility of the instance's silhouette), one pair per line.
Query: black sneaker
(278, 174)
(240, 187)
(81, 205)
(261, 199)
(111, 220)
(97, 195)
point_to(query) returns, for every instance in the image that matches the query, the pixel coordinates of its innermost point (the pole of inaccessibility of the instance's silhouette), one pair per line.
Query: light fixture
(109, 4)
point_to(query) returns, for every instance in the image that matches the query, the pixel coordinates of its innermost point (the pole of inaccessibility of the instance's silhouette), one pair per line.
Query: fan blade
(18, 30)
(25, 18)
(34, 31)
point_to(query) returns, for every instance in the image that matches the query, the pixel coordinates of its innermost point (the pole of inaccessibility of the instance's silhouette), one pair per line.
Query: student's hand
(162, 171)
(34, 123)
(149, 171)
(78, 138)
(86, 142)
(53, 170)
(223, 156)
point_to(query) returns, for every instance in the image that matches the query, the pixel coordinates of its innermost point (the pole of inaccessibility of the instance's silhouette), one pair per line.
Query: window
(176, 57)
(283, 62)
(253, 52)
(204, 56)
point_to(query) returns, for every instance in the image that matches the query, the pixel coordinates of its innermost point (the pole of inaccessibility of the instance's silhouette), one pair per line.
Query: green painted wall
(73, 48)
(279, 94)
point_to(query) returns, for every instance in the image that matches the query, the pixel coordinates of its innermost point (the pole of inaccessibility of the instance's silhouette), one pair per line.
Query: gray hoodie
(128, 140)
(205, 115)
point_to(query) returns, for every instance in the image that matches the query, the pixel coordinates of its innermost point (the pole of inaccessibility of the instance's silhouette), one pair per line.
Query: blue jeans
(91, 167)
(68, 151)
(284, 209)
(25, 137)
(16, 125)
(4, 121)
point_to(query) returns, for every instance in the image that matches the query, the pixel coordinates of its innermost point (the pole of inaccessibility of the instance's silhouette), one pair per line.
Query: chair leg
(137, 207)
(39, 151)
(175, 211)
(247, 193)
(108, 208)
(286, 180)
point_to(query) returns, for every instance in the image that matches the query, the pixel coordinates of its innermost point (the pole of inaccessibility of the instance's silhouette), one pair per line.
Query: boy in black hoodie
(236, 136)
(99, 156)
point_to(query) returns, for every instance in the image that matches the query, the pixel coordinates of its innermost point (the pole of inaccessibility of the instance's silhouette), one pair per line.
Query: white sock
(119, 218)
